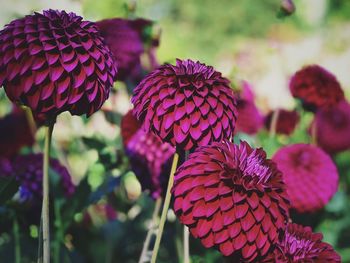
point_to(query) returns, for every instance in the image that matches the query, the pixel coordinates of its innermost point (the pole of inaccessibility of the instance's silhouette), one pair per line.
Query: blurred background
(245, 40)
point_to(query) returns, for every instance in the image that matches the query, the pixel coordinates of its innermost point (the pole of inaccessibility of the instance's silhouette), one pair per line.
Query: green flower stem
(17, 241)
(165, 208)
(40, 247)
(45, 207)
(144, 256)
(273, 125)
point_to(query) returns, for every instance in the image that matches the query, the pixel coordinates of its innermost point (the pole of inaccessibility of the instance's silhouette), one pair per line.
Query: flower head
(149, 157)
(232, 198)
(55, 62)
(333, 128)
(310, 175)
(316, 87)
(129, 126)
(300, 244)
(150, 160)
(188, 105)
(28, 171)
(15, 133)
(125, 39)
(286, 121)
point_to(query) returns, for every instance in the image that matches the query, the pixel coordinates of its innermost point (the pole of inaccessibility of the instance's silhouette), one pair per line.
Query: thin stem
(273, 125)
(144, 256)
(45, 207)
(186, 245)
(314, 133)
(17, 241)
(165, 208)
(30, 119)
(40, 247)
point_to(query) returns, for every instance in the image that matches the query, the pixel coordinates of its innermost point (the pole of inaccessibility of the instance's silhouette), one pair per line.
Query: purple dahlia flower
(286, 121)
(231, 197)
(300, 244)
(150, 159)
(316, 87)
(125, 39)
(28, 171)
(333, 128)
(55, 62)
(15, 133)
(310, 175)
(188, 105)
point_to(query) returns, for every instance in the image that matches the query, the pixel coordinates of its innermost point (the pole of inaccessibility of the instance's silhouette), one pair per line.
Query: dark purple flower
(231, 197)
(286, 121)
(310, 175)
(316, 87)
(187, 105)
(333, 128)
(28, 171)
(15, 133)
(125, 39)
(128, 127)
(150, 160)
(5, 167)
(300, 244)
(55, 62)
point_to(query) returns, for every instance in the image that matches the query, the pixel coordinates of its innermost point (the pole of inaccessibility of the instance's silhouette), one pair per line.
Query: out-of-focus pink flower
(316, 87)
(310, 175)
(286, 121)
(333, 128)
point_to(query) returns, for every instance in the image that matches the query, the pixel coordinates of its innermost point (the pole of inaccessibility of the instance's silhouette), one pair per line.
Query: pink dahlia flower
(333, 128)
(310, 175)
(300, 244)
(55, 62)
(316, 87)
(125, 40)
(188, 105)
(231, 197)
(286, 121)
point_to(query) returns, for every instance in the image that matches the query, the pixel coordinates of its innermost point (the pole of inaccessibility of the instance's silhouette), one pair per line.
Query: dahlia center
(298, 247)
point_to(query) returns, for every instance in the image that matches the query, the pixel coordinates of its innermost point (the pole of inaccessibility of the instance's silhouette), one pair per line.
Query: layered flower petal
(187, 105)
(54, 62)
(231, 197)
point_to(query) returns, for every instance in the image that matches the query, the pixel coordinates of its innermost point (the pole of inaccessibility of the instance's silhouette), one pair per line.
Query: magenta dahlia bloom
(128, 127)
(231, 197)
(316, 87)
(28, 171)
(187, 105)
(310, 175)
(150, 159)
(333, 128)
(15, 134)
(55, 62)
(286, 121)
(125, 39)
(300, 244)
